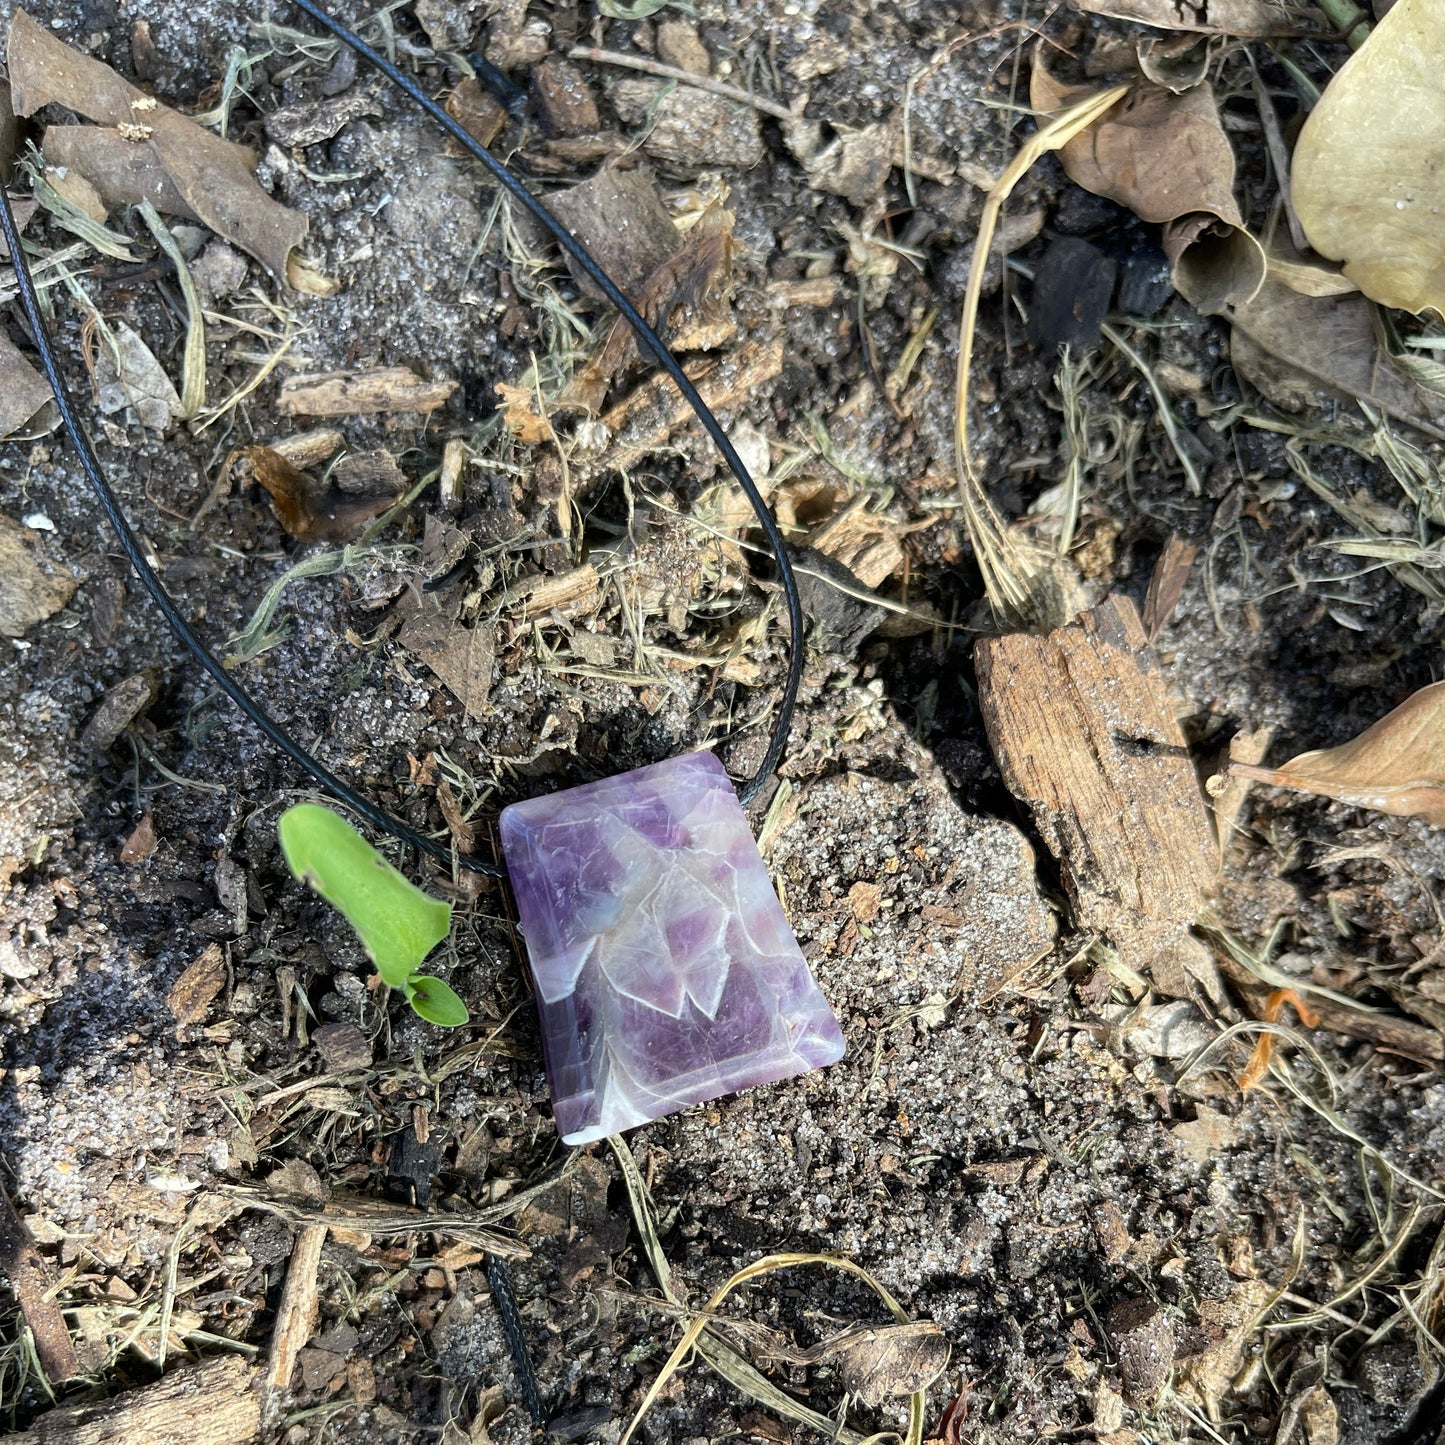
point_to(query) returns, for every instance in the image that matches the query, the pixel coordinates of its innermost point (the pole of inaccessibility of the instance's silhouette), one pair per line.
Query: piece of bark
(212, 176)
(311, 121)
(1083, 731)
(573, 594)
(362, 393)
(646, 418)
(23, 1268)
(211, 1403)
(563, 96)
(192, 993)
(621, 220)
(120, 707)
(476, 111)
(297, 1313)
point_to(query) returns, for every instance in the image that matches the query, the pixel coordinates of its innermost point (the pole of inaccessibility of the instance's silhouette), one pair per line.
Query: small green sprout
(397, 923)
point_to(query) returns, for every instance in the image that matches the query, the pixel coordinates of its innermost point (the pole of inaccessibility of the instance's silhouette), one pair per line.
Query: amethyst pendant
(665, 971)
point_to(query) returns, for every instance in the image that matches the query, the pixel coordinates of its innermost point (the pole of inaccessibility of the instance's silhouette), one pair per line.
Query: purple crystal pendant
(666, 973)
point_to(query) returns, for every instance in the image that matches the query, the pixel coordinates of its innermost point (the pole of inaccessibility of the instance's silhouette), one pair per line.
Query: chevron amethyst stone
(666, 973)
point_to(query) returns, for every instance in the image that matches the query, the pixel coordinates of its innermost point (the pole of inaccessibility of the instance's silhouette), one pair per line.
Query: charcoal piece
(1145, 284)
(1072, 288)
(834, 602)
(411, 1166)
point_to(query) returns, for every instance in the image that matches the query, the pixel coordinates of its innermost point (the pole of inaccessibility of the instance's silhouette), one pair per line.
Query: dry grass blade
(193, 374)
(1011, 567)
(1396, 765)
(720, 1356)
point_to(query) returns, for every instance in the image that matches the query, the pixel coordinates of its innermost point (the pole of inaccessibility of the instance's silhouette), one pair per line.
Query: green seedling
(397, 923)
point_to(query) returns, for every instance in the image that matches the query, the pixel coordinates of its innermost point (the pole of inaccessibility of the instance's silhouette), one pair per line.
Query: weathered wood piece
(1084, 733)
(211, 1403)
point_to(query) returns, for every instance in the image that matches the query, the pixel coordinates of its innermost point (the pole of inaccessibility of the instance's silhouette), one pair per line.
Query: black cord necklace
(176, 620)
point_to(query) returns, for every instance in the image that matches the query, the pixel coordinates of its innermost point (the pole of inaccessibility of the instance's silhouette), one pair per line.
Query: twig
(1274, 143)
(21, 1264)
(682, 77)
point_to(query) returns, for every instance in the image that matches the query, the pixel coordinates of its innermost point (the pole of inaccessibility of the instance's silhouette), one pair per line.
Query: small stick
(21, 1264)
(1279, 158)
(683, 77)
(297, 1313)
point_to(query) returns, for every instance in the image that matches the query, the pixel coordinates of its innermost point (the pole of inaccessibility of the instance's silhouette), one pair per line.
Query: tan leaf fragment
(23, 391)
(309, 509)
(1293, 346)
(1367, 182)
(207, 178)
(1249, 18)
(1166, 157)
(878, 1361)
(30, 589)
(1396, 765)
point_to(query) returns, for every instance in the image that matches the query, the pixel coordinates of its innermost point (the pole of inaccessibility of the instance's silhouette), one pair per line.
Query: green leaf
(435, 1001)
(397, 923)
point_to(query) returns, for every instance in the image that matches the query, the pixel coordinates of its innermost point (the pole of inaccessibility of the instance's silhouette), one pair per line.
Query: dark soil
(1011, 1146)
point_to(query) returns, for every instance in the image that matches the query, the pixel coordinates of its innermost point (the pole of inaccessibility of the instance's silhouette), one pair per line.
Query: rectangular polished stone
(665, 971)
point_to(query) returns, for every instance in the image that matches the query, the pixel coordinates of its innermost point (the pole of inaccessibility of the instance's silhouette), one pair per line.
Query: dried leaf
(1324, 342)
(523, 420)
(1250, 18)
(23, 391)
(1367, 181)
(1166, 157)
(30, 591)
(879, 1361)
(132, 377)
(212, 178)
(310, 510)
(1396, 766)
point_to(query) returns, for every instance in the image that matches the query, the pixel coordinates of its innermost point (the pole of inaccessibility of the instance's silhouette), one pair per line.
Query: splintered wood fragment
(362, 393)
(24, 1269)
(645, 419)
(1083, 730)
(573, 594)
(297, 1313)
(212, 1403)
(192, 993)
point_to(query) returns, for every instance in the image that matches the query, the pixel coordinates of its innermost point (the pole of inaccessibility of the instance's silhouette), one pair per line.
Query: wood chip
(563, 97)
(30, 589)
(620, 218)
(29, 1279)
(212, 1403)
(192, 993)
(362, 393)
(1084, 733)
(296, 1314)
(573, 594)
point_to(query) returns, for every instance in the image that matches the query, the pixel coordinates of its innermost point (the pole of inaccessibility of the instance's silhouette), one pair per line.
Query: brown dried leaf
(141, 843)
(1251, 18)
(1367, 181)
(308, 509)
(523, 420)
(1396, 765)
(1166, 157)
(212, 178)
(1329, 342)
(879, 1361)
(193, 991)
(23, 391)
(686, 298)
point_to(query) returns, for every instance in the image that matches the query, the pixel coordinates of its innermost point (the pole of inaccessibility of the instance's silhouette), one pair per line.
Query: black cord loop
(135, 553)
